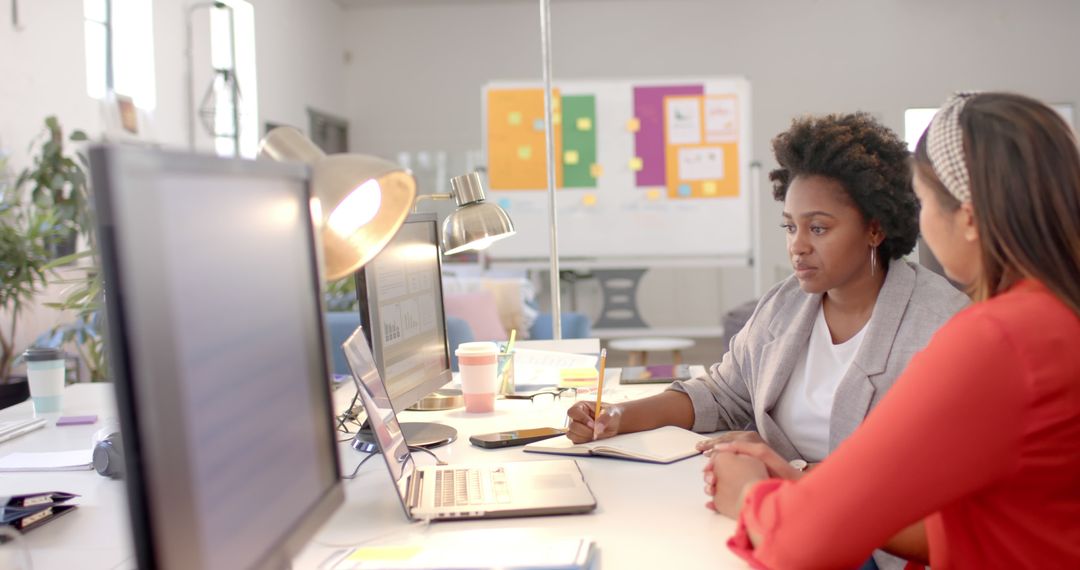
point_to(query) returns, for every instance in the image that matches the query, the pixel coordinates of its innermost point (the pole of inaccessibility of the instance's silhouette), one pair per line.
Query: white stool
(640, 347)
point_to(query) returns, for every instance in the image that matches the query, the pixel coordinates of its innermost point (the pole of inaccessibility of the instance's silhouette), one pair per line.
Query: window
(119, 37)
(232, 55)
(98, 60)
(915, 123)
(917, 120)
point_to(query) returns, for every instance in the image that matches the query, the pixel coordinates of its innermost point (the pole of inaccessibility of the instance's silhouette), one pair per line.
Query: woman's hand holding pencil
(585, 426)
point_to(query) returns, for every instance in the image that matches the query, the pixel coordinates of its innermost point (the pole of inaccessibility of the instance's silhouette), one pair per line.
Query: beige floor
(705, 351)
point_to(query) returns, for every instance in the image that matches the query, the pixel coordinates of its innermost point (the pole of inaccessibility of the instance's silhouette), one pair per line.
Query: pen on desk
(599, 392)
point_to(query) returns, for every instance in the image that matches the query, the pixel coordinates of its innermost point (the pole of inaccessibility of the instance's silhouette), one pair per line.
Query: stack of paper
(48, 461)
(543, 367)
(15, 428)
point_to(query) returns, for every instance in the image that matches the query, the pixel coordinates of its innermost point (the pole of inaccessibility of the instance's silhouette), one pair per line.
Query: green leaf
(78, 135)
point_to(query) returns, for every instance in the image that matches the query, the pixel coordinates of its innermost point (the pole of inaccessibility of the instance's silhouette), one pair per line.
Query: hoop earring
(873, 260)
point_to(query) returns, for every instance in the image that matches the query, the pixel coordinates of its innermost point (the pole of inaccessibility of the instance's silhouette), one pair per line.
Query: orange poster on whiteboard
(517, 152)
(701, 149)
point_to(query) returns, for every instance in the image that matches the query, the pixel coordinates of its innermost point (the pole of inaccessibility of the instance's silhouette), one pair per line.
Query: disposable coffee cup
(45, 374)
(478, 363)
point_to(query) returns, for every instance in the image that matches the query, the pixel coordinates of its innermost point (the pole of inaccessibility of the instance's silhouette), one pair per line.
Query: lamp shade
(363, 200)
(476, 223)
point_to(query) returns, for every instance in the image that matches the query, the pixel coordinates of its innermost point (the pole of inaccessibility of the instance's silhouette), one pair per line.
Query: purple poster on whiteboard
(649, 140)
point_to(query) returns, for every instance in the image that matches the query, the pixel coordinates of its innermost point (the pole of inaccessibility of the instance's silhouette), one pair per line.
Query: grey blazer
(739, 392)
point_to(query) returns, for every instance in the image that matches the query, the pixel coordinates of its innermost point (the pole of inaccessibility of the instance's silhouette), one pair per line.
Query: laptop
(448, 492)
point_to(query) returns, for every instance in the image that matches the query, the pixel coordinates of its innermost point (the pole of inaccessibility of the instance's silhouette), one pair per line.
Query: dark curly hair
(869, 161)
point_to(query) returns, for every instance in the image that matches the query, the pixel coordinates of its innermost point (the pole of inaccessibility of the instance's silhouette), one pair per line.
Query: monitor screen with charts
(401, 303)
(217, 348)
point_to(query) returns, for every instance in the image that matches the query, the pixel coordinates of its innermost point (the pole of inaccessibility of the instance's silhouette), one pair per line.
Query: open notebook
(662, 445)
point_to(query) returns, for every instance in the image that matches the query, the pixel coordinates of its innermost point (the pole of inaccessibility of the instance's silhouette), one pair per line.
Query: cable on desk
(415, 448)
(412, 448)
(359, 465)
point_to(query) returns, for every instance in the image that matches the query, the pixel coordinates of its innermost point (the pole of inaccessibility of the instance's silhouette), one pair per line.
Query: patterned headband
(945, 147)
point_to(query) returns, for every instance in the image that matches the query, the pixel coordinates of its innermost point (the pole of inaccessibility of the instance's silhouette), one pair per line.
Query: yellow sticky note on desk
(578, 378)
(383, 553)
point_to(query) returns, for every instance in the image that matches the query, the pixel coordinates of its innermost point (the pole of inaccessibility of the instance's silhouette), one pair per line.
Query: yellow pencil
(510, 345)
(599, 388)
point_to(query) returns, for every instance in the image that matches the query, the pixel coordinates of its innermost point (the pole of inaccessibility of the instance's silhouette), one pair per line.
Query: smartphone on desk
(512, 438)
(658, 374)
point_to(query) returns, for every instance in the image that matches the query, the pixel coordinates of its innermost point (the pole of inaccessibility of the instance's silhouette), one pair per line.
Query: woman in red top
(974, 455)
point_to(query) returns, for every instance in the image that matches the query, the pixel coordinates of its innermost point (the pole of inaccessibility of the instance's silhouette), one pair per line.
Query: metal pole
(545, 53)
(755, 224)
(234, 85)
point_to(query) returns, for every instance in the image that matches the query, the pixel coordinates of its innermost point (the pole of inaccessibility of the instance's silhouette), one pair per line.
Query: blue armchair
(574, 325)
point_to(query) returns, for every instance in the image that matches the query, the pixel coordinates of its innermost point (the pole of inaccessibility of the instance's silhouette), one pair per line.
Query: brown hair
(1025, 190)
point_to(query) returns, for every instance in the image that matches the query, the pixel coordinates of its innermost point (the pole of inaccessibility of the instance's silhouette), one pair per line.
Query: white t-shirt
(805, 406)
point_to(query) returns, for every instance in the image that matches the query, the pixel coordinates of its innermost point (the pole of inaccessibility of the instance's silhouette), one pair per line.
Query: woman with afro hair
(823, 346)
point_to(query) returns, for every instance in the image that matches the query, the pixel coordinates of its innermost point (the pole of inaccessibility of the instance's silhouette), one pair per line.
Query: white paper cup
(45, 374)
(478, 362)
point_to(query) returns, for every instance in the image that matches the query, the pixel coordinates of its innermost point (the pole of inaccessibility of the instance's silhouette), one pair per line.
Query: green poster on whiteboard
(578, 140)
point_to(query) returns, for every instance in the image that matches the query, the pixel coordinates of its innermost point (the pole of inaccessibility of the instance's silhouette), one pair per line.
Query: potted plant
(25, 235)
(57, 182)
(83, 295)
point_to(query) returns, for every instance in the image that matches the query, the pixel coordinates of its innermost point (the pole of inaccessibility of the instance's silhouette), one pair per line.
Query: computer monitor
(216, 346)
(401, 308)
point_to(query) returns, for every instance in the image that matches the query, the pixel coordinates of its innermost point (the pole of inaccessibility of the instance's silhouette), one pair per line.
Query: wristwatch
(799, 464)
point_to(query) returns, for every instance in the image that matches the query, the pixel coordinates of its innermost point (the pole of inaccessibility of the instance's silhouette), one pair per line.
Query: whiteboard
(647, 169)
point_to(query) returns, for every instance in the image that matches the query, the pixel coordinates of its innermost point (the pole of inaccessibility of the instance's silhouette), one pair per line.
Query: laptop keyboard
(460, 487)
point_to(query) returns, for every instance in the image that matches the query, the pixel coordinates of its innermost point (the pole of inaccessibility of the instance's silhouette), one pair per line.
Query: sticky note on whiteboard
(633, 125)
(571, 157)
(636, 163)
(595, 170)
(589, 199)
(514, 118)
(584, 124)
(709, 187)
(524, 152)
(653, 194)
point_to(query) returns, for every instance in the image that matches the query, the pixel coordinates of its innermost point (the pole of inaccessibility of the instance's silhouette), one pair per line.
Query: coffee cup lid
(42, 353)
(477, 348)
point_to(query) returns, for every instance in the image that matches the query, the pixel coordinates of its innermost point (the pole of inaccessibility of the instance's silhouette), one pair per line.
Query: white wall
(299, 47)
(300, 57)
(419, 65)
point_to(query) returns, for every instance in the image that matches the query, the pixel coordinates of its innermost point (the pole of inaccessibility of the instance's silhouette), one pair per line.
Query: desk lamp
(361, 200)
(476, 223)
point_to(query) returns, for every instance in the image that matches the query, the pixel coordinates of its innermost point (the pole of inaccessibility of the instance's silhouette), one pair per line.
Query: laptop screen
(380, 412)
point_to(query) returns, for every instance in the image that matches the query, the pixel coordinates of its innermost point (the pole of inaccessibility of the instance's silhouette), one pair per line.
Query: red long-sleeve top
(980, 437)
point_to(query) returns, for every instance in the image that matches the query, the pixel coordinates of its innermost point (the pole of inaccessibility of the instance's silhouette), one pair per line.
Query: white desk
(648, 516)
(95, 535)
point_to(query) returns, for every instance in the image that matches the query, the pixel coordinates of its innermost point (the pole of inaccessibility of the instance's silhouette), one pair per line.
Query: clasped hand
(735, 464)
